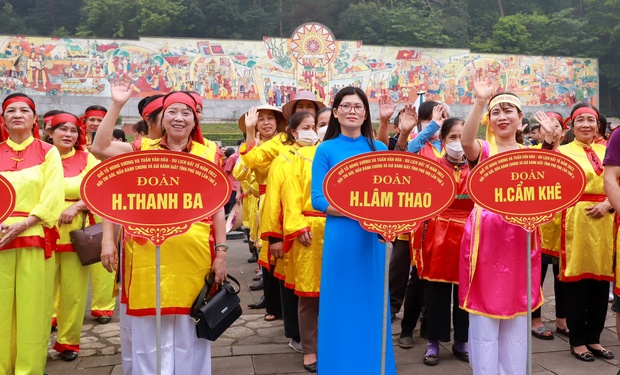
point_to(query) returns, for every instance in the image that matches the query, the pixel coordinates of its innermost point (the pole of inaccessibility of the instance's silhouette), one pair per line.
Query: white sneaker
(296, 346)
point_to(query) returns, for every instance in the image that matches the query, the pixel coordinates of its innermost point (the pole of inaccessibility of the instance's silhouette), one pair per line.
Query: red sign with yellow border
(527, 187)
(389, 192)
(155, 194)
(7, 203)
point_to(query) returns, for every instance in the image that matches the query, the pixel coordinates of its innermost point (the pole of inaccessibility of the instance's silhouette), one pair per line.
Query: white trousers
(182, 353)
(498, 346)
(126, 347)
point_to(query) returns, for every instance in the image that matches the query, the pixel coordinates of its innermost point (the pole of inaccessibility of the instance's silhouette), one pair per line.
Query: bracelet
(400, 148)
(221, 246)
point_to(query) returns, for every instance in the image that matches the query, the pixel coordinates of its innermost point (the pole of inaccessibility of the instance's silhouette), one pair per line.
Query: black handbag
(214, 310)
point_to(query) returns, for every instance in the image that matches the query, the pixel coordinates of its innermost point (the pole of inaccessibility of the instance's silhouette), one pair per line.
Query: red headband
(583, 110)
(17, 99)
(48, 119)
(180, 97)
(152, 107)
(94, 112)
(30, 103)
(197, 98)
(62, 118)
(187, 99)
(558, 117)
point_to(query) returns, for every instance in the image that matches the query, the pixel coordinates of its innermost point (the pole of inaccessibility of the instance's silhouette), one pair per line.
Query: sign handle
(386, 298)
(158, 305)
(529, 301)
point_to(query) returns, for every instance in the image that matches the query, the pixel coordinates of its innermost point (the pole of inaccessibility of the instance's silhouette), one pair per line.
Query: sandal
(562, 331)
(543, 333)
(270, 317)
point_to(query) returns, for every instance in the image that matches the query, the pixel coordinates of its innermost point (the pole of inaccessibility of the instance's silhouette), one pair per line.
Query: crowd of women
(462, 262)
(42, 281)
(315, 261)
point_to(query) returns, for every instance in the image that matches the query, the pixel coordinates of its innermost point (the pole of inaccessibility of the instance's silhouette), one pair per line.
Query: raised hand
(251, 118)
(483, 88)
(386, 108)
(439, 114)
(121, 94)
(408, 119)
(546, 123)
(547, 126)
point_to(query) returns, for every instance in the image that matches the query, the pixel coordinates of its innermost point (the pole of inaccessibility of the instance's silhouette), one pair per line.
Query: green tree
(109, 19)
(159, 18)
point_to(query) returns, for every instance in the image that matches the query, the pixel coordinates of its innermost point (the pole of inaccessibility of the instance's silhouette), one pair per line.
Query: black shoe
(253, 258)
(405, 342)
(311, 367)
(68, 355)
(431, 359)
(104, 319)
(601, 353)
(463, 356)
(585, 356)
(258, 305)
(257, 286)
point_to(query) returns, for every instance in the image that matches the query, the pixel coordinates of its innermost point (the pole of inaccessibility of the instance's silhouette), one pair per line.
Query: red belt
(51, 235)
(592, 198)
(313, 214)
(262, 189)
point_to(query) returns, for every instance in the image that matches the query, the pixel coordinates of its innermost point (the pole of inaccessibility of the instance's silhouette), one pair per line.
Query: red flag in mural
(408, 54)
(217, 49)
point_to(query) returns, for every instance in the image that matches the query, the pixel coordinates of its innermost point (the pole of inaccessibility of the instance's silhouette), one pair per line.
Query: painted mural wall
(274, 69)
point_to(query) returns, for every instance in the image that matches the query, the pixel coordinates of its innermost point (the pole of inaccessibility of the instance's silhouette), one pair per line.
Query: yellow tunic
(249, 191)
(258, 159)
(72, 195)
(587, 248)
(299, 218)
(185, 260)
(551, 235)
(36, 187)
(34, 169)
(71, 281)
(271, 214)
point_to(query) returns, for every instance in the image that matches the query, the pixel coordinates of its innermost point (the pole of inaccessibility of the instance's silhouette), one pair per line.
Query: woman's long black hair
(333, 129)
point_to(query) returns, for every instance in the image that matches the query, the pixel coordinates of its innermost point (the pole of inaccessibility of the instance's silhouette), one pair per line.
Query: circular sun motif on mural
(313, 44)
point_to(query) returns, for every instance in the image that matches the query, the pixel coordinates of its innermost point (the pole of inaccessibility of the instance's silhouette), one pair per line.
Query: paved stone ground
(255, 347)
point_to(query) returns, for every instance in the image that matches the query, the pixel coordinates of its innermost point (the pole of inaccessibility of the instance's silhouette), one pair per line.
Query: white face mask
(455, 150)
(321, 133)
(307, 137)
